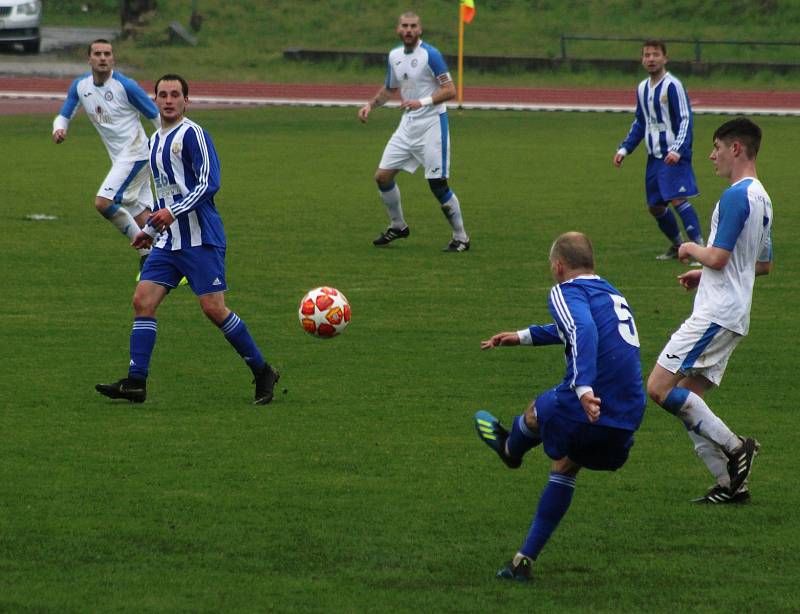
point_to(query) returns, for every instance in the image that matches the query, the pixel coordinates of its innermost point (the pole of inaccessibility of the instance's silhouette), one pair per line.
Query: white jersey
(113, 108)
(418, 74)
(741, 224)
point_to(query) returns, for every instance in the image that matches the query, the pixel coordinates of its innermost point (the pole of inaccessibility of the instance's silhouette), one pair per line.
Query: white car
(19, 23)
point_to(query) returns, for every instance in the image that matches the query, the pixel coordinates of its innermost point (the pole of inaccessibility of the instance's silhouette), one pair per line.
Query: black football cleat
(265, 382)
(740, 463)
(134, 390)
(521, 572)
(719, 495)
(457, 246)
(391, 234)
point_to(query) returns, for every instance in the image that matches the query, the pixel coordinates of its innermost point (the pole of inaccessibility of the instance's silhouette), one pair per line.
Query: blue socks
(553, 504)
(521, 438)
(690, 221)
(143, 340)
(239, 337)
(669, 226)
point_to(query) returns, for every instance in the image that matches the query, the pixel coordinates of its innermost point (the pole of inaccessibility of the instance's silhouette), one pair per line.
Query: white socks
(697, 417)
(714, 458)
(452, 211)
(391, 198)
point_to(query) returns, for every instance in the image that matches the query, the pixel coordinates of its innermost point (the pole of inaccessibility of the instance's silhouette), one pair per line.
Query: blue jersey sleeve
(436, 61)
(137, 97)
(544, 335)
(70, 106)
(573, 316)
(636, 133)
(199, 154)
(734, 209)
(681, 113)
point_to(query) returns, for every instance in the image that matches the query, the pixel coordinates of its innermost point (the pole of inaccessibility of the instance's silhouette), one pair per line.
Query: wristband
(150, 231)
(427, 101)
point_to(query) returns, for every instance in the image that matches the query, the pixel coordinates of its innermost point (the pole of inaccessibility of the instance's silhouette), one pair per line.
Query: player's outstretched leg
(494, 435)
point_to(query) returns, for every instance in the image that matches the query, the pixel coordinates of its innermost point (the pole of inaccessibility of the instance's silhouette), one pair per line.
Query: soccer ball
(324, 312)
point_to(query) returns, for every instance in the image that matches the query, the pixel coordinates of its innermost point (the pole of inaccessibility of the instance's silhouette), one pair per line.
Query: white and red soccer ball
(324, 312)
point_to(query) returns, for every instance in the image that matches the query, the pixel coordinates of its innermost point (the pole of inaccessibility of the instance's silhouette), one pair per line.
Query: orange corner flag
(467, 10)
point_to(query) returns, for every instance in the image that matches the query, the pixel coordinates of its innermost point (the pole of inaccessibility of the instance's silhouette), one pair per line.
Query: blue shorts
(601, 448)
(202, 266)
(663, 183)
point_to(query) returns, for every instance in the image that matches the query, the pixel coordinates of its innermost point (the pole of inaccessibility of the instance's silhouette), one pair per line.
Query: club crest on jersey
(664, 99)
(176, 148)
(108, 96)
(414, 63)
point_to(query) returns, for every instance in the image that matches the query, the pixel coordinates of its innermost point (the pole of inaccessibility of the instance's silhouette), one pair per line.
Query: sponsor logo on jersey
(176, 148)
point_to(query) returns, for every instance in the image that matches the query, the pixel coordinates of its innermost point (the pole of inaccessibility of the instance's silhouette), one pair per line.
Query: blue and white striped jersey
(663, 118)
(113, 108)
(186, 174)
(742, 224)
(601, 347)
(418, 74)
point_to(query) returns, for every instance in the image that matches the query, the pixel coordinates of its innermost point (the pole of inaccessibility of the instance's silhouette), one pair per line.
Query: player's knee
(214, 312)
(530, 418)
(440, 189)
(102, 205)
(384, 179)
(143, 305)
(657, 210)
(656, 391)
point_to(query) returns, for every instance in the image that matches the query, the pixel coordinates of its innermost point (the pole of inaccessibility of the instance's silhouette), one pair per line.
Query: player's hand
(161, 220)
(591, 406)
(59, 136)
(684, 251)
(618, 158)
(410, 105)
(500, 339)
(142, 240)
(363, 113)
(690, 279)
(672, 158)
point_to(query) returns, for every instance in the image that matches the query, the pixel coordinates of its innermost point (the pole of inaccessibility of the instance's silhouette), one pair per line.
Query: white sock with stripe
(713, 457)
(394, 207)
(452, 211)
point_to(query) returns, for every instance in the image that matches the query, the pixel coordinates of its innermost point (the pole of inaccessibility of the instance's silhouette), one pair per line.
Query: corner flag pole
(460, 54)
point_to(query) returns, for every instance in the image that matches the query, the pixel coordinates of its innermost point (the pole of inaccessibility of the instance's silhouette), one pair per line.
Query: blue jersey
(186, 174)
(601, 347)
(663, 118)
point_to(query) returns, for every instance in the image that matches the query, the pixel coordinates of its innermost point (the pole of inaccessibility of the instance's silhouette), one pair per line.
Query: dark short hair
(184, 84)
(655, 42)
(573, 249)
(97, 40)
(743, 130)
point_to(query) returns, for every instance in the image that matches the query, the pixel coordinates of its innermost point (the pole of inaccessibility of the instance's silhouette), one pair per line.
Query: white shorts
(420, 141)
(128, 184)
(699, 347)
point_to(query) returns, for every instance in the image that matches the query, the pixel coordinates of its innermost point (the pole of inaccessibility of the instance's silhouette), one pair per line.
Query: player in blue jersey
(588, 420)
(188, 240)
(664, 120)
(423, 136)
(694, 359)
(113, 103)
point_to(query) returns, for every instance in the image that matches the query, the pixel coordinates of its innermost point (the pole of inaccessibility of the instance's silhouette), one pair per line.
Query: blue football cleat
(494, 435)
(521, 572)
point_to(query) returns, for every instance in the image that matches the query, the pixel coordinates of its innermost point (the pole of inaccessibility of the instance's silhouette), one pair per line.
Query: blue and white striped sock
(235, 331)
(143, 340)
(553, 504)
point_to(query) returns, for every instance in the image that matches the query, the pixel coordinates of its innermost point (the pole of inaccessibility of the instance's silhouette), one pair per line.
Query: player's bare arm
(763, 268)
(447, 91)
(378, 100)
(506, 338)
(142, 240)
(712, 257)
(690, 279)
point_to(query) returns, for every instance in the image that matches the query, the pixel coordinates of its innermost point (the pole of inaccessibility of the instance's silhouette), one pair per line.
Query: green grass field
(364, 488)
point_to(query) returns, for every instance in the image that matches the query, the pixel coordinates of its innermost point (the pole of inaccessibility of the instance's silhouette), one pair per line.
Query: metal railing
(696, 42)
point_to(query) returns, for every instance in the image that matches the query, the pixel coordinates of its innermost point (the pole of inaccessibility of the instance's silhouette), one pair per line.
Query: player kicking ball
(588, 420)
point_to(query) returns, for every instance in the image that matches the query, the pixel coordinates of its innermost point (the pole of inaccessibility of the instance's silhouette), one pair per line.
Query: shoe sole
(111, 394)
(264, 400)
